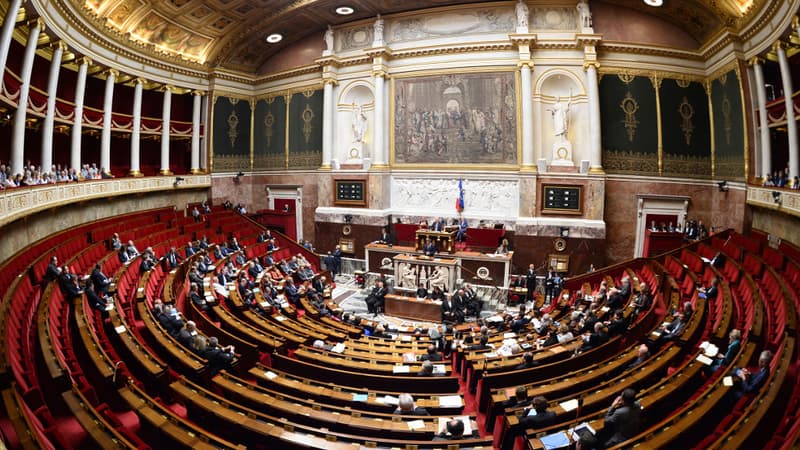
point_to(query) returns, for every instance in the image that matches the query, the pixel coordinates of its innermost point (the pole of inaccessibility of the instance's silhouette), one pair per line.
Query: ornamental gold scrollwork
(269, 121)
(233, 124)
(727, 122)
(686, 111)
(308, 116)
(630, 106)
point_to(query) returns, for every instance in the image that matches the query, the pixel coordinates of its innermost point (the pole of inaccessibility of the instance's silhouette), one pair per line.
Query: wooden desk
(444, 240)
(411, 308)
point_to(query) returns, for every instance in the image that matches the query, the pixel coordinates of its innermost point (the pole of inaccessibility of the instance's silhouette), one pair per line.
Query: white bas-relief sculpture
(439, 278)
(435, 196)
(521, 10)
(377, 38)
(584, 15)
(359, 123)
(562, 148)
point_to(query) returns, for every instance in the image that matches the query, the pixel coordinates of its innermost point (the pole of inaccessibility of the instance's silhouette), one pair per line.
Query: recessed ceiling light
(274, 38)
(344, 10)
(654, 2)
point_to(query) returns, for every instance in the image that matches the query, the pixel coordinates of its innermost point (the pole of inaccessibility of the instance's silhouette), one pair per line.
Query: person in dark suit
(596, 339)
(461, 234)
(454, 431)
(451, 311)
(750, 383)
(530, 282)
(549, 284)
(422, 292)
(73, 289)
(376, 298)
(53, 271)
(618, 325)
(337, 260)
(429, 249)
(406, 407)
(171, 323)
(187, 333)
(386, 237)
(172, 258)
(100, 281)
(535, 417)
(672, 330)
(711, 292)
(219, 358)
(642, 354)
(438, 224)
(622, 418)
(527, 362)
(291, 292)
(147, 264)
(431, 354)
(190, 250)
(123, 256)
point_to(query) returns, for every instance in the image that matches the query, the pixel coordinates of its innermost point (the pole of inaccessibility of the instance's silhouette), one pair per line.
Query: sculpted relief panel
(498, 198)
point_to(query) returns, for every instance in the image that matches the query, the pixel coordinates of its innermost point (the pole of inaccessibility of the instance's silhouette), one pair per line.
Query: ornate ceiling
(231, 33)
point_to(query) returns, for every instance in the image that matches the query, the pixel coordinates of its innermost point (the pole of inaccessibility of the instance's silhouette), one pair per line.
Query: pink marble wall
(719, 209)
(617, 23)
(301, 53)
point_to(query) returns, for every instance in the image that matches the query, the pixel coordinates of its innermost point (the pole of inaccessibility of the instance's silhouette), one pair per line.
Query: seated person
(422, 292)
(596, 339)
(642, 353)
(618, 325)
(461, 234)
(254, 268)
(431, 354)
(426, 370)
(734, 344)
(454, 431)
(671, 331)
(73, 290)
(376, 299)
(406, 407)
(173, 258)
(53, 271)
(291, 292)
(219, 358)
(172, 323)
(527, 362)
(750, 383)
(187, 333)
(245, 289)
(535, 417)
(429, 248)
(437, 294)
(100, 281)
(196, 297)
(147, 264)
(305, 273)
(189, 250)
(622, 419)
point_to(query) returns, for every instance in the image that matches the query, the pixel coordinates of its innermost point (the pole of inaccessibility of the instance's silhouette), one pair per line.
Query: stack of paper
(338, 348)
(569, 405)
(401, 369)
(450, 401)
(556, 440)
(416, 425)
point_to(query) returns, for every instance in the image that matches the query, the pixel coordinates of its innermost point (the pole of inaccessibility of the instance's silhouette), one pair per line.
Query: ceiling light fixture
(274, 38)
(654, 2)
(345, 10)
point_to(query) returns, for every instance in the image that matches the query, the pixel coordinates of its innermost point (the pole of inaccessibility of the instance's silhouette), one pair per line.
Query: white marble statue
(560, 114)
(329, 40)
(521, 10)
(584, 14)
(409, 274)
(359, 123)
(377, 39)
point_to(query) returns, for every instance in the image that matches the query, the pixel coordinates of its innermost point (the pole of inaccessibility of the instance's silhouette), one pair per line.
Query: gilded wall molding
(22, 202)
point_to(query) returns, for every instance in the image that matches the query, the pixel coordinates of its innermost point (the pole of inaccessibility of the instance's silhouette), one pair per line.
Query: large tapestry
(231, 134)
(629, 124)
(455, 119)
(305, 129)
(686, 129)
(728, 126)
(269, 133)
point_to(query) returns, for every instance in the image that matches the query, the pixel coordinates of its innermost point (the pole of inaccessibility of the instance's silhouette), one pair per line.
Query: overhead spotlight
(274, 38)
(776, 197)
(345, 10)
(178, 181)
(723, 186)
(654, 2)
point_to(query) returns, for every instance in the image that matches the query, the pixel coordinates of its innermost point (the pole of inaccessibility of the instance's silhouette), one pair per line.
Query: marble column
(105, 136)
(165, 120)
(379, 158)
(327, 124)
(205, 162)
(49, 117)
(8, 30)
(136, 128)
(595, 141)
(18, 132)
(765, 141)
(77, 121)
(791, 124)
(528, 161)
(197, 104)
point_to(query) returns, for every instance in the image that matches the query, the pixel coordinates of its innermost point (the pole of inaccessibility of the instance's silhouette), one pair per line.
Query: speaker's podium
(444, 240)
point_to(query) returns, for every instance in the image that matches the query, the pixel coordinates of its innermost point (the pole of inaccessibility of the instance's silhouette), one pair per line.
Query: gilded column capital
(59, 45)
(112, 72)
(587, 64)
(755, 60)
(37, 23)
(198, 92)
(527, 63)
(84, 60)
(778, 45)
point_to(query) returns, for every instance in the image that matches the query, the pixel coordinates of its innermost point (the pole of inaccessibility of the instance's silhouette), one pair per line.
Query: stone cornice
(21, 202)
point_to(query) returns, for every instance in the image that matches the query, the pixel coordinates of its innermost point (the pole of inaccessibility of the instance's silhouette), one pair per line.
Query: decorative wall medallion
(630, 106)
(560, 244)
(308, 116)
(346, 230)
(482, 273)
(686, 111)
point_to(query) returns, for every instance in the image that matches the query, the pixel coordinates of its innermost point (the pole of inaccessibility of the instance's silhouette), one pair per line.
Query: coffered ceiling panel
(231, 33)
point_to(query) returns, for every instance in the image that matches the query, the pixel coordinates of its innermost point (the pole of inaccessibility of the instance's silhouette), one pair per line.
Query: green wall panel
(686, 129)
(269, 133)
(305, 130)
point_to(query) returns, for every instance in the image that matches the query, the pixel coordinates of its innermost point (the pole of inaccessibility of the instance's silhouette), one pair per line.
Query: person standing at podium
(429, 249)
(461, 234)
(386, 237)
